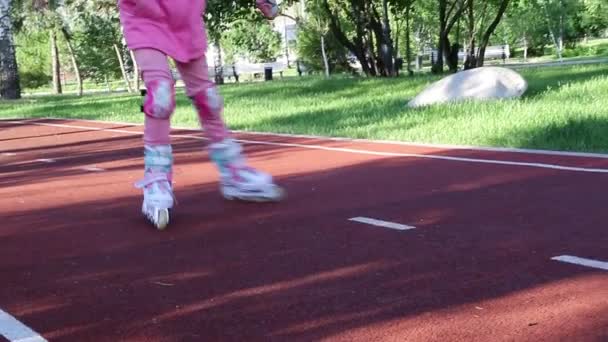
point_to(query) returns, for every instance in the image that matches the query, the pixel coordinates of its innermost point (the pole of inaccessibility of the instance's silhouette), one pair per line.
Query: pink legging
(154, 66)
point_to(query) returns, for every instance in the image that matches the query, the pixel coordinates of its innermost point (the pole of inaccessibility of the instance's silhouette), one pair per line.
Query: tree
(557, 14)
(489, 8)
(43, 15)
(9, 70)
(363, 28)
(319, 49)
(256, 41)
(402, 11)
(524, 24)
(99, 41)
(34, 59)
(315, 41)
(219, 14)
(594, 16)
(449, 12)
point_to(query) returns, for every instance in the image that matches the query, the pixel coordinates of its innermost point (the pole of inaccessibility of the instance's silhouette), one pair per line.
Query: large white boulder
(486, 83)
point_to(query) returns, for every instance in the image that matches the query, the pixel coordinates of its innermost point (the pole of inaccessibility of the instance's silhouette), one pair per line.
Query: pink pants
(155, 67)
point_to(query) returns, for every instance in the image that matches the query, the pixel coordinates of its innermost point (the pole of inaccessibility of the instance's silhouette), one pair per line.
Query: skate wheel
(277, 194)
(281, 194)
(163, 219)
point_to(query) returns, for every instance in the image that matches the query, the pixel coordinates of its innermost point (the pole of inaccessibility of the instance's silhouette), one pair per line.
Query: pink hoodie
(174, 27)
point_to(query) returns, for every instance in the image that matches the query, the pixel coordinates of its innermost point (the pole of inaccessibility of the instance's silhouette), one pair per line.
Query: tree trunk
(386, 45)
(485, 40)
(471, 60)
(56, 65)
(371, 60)
(552, 33)
(325, 62)
(396, 52)
(9, 70)
(408, 42)
(451, 51)
(108, 84)
(438, 65)
(357, 46)
(561, 30)
(218, 67)
(74, 61)
(525, 48)
(447, 19)
(122, 69)
(135, 71)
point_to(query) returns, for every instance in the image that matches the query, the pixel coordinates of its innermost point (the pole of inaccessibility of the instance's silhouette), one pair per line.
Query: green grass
(565, 108)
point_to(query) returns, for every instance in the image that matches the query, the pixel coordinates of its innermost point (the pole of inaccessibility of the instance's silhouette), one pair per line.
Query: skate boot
(239, 181)
(156, 185)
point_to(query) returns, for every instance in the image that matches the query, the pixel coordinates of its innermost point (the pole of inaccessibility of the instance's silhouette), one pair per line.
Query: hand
(269, 8)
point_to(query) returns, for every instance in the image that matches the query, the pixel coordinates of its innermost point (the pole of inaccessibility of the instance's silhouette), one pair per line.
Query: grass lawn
(565, 108)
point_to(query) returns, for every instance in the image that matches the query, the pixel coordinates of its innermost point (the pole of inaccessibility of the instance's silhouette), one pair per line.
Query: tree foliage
(255, 41)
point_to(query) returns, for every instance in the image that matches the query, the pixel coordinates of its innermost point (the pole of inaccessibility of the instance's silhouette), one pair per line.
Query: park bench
(502, 52)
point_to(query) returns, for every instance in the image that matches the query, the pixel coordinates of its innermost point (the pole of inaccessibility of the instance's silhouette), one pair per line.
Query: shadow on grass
(543, 80)
(575, 134)
(331, 121)
(336, 87)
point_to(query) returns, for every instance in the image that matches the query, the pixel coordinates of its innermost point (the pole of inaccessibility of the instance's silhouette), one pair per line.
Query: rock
(486, 83)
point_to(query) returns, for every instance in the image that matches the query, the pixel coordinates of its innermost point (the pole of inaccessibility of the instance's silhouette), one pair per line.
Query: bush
(587, 51)
(33, 79)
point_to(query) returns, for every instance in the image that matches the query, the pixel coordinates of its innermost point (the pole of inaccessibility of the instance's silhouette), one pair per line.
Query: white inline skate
(156, 185)
(240, 181)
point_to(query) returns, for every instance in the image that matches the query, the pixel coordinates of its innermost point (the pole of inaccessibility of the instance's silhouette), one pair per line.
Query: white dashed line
(15, 331)
(602, 265)
(380, 223)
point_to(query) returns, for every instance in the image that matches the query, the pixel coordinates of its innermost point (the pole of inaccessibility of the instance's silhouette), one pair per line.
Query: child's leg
(206, 99)
(160, 99)
(159, 104)
(238, 180)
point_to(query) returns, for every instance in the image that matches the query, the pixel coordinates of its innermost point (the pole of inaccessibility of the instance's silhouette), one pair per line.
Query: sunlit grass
(565, 108)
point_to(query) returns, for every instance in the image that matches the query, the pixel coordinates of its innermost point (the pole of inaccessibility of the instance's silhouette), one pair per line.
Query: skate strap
(152, 160)
(152, 178)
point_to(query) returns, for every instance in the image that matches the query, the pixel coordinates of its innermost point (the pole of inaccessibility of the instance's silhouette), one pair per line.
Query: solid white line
(43, 160)
(15, 331)
(380, 223)
(348, 150)
(93, 169)
(379, 141)
(602, 265)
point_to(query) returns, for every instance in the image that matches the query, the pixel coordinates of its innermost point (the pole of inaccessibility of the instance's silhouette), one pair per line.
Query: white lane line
(8, 154)
(602, 265)
(15, 331)
(347, 150)
(93, 169)
(44, 160)
(373, 141)
(380, 223)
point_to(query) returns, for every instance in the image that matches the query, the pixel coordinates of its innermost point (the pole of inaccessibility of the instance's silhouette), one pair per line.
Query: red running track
(79, 263)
